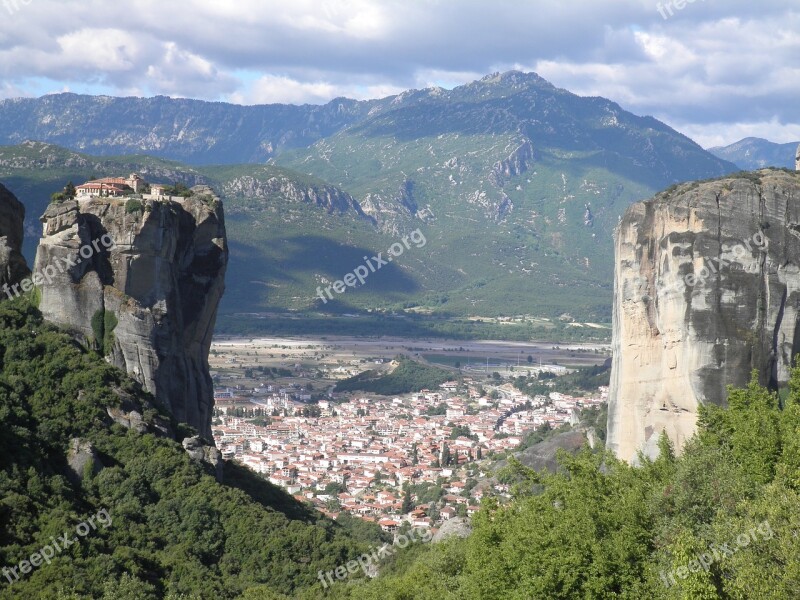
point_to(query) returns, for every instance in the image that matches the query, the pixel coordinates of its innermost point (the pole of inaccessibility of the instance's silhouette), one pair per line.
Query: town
(417, 458)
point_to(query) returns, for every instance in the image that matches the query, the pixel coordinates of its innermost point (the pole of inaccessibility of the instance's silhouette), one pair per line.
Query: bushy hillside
(720, 522)
(167, 528)
(406, 376)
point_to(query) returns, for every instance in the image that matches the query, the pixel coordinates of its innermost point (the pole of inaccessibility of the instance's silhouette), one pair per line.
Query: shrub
(133, 205)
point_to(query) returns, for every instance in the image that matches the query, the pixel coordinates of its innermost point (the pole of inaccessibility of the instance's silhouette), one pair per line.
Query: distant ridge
(754, 153)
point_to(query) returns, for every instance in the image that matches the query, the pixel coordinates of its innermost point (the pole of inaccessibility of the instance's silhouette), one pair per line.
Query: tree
(407, 505)
(69, 191)
(445, 455)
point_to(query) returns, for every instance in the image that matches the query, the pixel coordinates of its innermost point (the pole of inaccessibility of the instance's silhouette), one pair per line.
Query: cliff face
(706, 288)
(13, 267)
(332, 199)
(141, 281)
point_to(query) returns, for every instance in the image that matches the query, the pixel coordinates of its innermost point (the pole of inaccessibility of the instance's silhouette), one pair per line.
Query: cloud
(731, 65)
(270, 89)
(722, 134)
(182, 73)
(8, 90)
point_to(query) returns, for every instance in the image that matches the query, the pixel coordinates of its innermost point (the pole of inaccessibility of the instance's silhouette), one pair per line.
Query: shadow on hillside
(251, 274)
(267, 494)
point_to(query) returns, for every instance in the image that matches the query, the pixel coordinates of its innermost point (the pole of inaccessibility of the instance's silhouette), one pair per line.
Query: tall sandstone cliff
(706, 289)
(149, 301)
(13, 267)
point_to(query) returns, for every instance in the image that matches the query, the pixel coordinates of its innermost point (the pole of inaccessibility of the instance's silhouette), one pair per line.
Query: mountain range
(516, 185)
(754, 153)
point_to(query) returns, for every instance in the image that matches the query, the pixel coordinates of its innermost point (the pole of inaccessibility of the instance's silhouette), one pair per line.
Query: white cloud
(8, 90)
(285, 90)
(278, 89)
(101, 49)
(713, 64)
(723, 134)
(183, 73)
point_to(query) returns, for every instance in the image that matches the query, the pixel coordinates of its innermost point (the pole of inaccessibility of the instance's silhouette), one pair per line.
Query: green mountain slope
(166, 528)
(517, 184)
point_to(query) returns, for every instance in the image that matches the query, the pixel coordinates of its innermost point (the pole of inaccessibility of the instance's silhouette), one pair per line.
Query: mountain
(514, 185)
(517, 185)
(706, 293)
(194, 131)
(756, 153)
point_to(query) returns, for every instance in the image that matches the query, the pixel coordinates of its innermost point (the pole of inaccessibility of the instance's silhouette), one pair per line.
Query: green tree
(407, 505)
(445, 455)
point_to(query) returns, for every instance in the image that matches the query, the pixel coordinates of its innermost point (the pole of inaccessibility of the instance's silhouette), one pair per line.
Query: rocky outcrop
(706, 288)
(129, 413)
(82, 459)
(515, 164)
(13, 267)
(140, 280)
(206, 454)
(454, 527)
(273, 187)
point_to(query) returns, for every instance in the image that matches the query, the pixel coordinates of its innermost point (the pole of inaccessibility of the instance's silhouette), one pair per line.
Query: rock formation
(13, 267)
(140, 280)
(706, 289)
(205, 453)
(81, 456)
(515, 164)
(272, 187)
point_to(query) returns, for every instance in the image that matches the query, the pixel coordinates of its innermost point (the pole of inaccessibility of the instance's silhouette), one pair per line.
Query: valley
(279, 411)
(368, 300)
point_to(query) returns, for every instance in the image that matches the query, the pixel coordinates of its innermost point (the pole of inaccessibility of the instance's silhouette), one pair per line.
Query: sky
(716, 70)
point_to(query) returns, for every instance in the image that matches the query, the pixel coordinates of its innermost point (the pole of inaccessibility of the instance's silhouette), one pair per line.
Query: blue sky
(717, 70)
